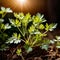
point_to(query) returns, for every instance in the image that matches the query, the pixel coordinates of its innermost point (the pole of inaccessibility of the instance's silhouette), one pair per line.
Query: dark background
(50, 8)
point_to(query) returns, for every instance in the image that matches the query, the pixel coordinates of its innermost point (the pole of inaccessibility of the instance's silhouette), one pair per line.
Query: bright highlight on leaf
(14, 39)
(6, 9)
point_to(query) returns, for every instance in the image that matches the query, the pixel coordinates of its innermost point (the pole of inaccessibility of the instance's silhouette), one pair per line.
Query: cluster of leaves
(32, 30)
(3, 28)
(56, 41)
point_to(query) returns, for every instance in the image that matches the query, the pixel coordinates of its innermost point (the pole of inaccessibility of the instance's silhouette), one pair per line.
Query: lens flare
(22, 1)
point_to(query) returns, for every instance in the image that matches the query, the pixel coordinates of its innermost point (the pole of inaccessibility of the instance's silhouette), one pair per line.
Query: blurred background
(50, 8)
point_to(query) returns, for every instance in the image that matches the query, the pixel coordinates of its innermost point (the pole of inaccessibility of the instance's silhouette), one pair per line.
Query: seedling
(31, 30)
(19, 53)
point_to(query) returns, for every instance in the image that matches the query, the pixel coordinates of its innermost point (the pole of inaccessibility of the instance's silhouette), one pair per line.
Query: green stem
(29, 37)
(34, 43)
(3, 15)
(22, 57)
(21, 32)
(45, 32)
(1, 31)
(23, 41)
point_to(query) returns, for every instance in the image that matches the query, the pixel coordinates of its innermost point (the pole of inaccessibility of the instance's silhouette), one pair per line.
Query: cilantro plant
(31, 29)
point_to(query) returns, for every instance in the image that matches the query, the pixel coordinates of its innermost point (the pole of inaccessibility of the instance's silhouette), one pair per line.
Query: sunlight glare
(22, 1)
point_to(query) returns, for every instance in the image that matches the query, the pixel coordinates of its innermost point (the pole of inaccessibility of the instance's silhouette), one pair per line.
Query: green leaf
(13, 40)
(1, 20)
(15, 35)
(52, 41)
(1, 12)
(7, 26)
(47, 27)
(18, 52)
(36, 32)
(58, 47)
(12, 21)
(15, 23)
(6, 9)
(41, 16)
(41, 26)
(58, 37)
(16, 15)
(36, 20)
(58, 43)
(26, 20)
(16, 38)
(28, 16)
(19, 36)
(27, 48)
(44, 47)
(52, 26)
(9, 10)
(19, 16)
(32, 29)
(2, 26)
(46, 41)
(3, 47)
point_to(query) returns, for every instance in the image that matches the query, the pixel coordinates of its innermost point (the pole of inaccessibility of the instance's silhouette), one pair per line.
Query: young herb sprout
(31, 30)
